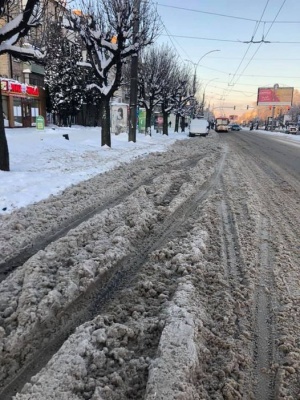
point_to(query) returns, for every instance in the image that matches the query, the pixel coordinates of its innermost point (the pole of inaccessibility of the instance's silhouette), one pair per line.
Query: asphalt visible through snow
(276, 150)
(172, 277)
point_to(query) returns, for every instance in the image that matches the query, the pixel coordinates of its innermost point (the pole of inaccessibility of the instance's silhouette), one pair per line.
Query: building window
(17, 112)
(36, 80)
(34, 111)
(5, 110)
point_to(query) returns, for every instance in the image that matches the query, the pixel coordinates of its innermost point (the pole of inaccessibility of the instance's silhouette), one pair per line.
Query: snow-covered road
(172, 277)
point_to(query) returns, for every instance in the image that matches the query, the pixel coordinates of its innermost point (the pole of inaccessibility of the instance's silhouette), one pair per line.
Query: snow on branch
(12, 31)
(106, 29)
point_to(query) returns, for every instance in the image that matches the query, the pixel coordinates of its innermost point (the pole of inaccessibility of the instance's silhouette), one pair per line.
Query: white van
(199, 126)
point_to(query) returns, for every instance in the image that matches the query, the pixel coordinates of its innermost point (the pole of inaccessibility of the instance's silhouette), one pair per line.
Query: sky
(230, 77)
(43, 162)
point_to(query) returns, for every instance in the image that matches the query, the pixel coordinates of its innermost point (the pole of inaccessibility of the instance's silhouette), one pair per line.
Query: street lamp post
(196, 65)
(203, 97)
(195, 71)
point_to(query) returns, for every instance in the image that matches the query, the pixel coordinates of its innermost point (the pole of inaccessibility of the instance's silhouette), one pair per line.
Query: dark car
(235, 127)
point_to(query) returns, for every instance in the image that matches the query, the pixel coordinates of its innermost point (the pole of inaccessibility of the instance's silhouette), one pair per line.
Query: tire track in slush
(228, 243)
(47, 237)
(264, 334)
(263, 386)
(234, 267)
(93, 301)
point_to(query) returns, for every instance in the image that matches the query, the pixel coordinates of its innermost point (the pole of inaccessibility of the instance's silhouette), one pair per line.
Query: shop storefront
(21, 103)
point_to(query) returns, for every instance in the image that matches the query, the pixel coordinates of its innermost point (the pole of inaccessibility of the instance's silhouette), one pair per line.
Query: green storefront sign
(40, 122)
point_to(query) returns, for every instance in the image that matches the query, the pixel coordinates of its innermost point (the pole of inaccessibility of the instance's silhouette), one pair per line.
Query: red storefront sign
(20, 88)
(32, 90)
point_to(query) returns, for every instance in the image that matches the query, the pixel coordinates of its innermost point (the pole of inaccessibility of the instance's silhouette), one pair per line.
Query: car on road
(235, 127)
(221, 124)
(199, 126)
(292, 129)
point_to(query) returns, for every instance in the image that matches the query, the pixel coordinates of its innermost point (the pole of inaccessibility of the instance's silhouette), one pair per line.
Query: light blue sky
(261, 64)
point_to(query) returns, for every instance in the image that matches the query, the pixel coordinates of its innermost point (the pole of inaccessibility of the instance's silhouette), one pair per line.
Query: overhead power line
(248, 48)
(226, 16)
(251, 76)
(169, 35)
(202, 38)
(228, 40)
(254, 54)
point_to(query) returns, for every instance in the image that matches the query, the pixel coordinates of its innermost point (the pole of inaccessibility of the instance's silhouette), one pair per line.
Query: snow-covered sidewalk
(44, 162)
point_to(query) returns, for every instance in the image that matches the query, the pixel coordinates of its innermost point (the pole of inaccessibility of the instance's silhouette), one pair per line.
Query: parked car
(235, 127)
(292, 129)
(199, 126)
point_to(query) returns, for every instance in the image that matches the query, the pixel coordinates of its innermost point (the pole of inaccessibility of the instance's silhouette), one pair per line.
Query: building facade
(22, 103)
(22, 93)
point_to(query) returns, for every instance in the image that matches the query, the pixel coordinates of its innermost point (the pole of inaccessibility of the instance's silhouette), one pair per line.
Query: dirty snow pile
(116, 348)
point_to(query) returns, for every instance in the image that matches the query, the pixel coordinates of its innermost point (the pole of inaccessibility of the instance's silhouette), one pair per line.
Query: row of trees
(71, 82)
(163, 82)
(104, 30)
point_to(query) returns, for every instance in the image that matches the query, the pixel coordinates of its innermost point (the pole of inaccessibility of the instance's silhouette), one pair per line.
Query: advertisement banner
(275, 96)
(119, 118)
(142, 120)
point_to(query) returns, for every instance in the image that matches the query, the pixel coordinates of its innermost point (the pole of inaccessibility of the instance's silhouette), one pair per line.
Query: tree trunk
(4, 154)
(148, 119)
(176, 123)
(100, 112)
(182, 124)
(105, 131)
(165, 123)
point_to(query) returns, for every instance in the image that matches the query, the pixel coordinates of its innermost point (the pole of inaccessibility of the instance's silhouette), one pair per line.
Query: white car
(199, 126)
(292, 129)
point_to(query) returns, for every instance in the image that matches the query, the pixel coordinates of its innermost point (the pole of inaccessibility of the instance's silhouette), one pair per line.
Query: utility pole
(134, 78)
(273, 116)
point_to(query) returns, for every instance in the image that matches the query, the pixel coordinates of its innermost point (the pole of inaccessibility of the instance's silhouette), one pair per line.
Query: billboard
(275, 96)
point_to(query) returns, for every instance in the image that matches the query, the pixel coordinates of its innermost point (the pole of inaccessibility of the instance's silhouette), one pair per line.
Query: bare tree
(182, 97)
(106, 30)
(13, 28)
(153, 76)
(174, 93)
